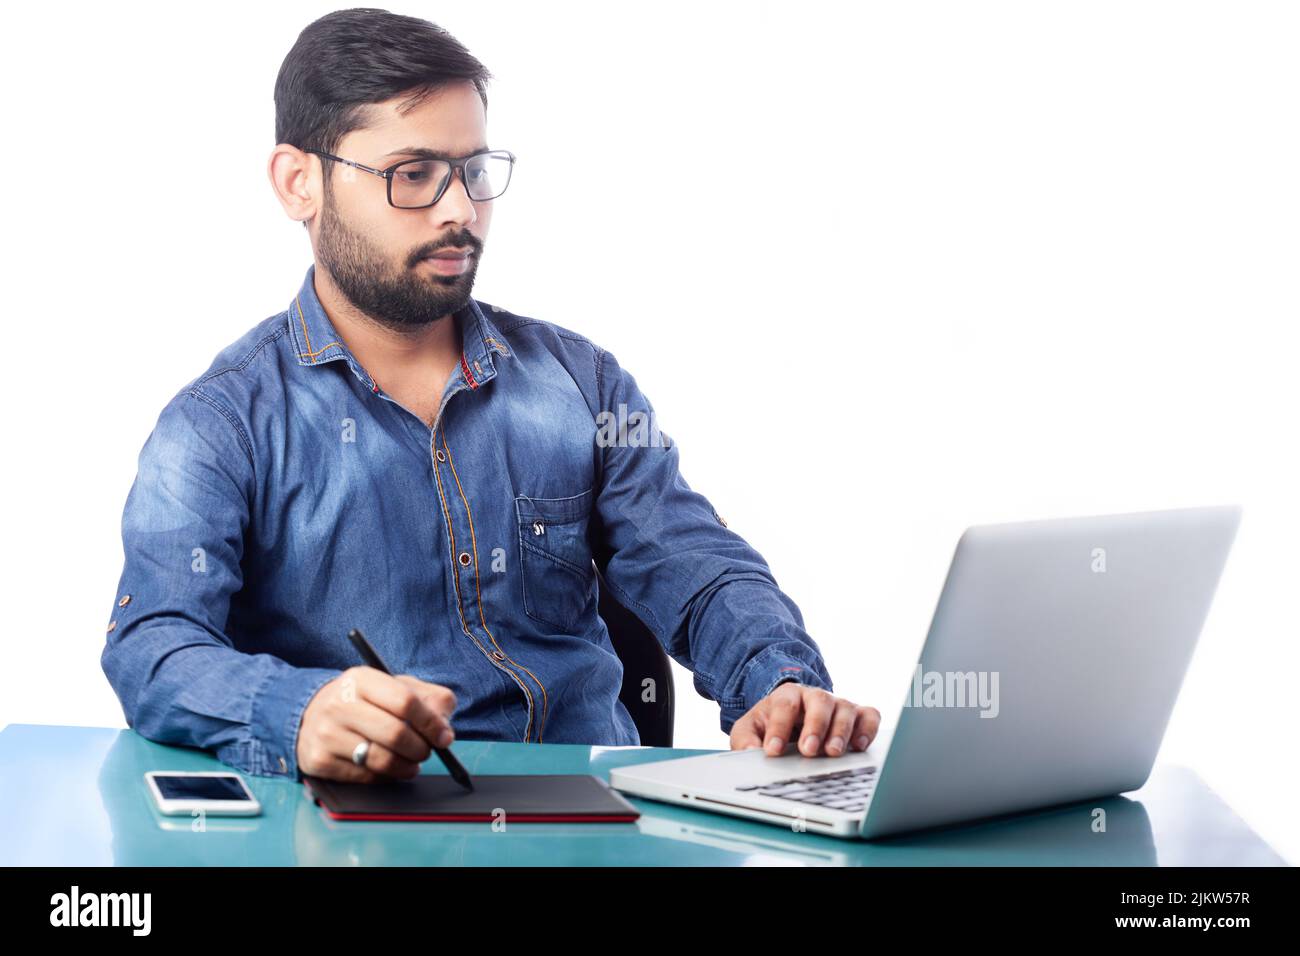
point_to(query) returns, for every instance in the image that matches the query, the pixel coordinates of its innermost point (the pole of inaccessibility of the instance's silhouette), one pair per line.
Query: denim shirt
(283, 498)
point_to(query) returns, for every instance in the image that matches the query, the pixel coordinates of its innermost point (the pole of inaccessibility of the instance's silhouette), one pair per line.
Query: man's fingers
(782, 712)
(818, 708)
(342, 768)
(865, 728)
(746, 733)
(364, 719)
(342, 741)
(437, 698)
(319, 758)
(384, 761)
(840, 732)
(400, 699)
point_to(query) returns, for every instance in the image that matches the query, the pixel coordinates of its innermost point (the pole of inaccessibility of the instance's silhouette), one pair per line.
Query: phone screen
(202, 788)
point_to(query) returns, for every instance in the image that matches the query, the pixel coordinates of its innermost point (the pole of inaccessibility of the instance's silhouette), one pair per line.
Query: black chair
(642, 656)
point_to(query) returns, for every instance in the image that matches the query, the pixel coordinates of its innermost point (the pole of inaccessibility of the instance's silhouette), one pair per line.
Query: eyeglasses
(420, 183)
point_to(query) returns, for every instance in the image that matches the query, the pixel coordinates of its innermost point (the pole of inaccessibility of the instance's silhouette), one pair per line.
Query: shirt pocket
(555, 558)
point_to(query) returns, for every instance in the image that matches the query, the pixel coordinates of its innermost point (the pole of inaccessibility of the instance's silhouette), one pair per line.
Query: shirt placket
(463, 546)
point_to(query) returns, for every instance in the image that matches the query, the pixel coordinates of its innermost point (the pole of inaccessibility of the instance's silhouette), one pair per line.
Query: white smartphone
(215, 792)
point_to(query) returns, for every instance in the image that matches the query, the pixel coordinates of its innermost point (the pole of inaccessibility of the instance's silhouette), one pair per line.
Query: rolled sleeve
(772, 667)
(168, 657)
(278, 707)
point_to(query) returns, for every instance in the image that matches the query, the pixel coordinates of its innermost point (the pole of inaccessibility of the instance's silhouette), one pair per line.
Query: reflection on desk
(76, 796)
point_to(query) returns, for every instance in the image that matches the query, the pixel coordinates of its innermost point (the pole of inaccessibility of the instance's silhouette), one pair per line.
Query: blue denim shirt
(283, 498)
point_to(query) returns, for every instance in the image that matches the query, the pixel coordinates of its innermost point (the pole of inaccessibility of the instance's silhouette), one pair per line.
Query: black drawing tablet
(522, 798)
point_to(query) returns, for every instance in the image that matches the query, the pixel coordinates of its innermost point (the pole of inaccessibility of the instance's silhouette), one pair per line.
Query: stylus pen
(448, 758)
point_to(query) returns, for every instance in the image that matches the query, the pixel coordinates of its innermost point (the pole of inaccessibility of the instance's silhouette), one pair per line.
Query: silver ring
(359, 753)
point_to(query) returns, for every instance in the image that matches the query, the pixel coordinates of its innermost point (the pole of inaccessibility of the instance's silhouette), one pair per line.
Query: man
(392, 454)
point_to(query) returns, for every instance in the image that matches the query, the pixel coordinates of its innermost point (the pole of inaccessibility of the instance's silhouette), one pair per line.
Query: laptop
(1053, 660)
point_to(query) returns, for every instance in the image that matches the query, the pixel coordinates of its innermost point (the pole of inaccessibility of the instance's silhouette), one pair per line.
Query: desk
(75, 796)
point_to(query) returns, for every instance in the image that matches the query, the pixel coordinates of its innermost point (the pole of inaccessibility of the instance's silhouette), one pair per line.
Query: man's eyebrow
(423, 152)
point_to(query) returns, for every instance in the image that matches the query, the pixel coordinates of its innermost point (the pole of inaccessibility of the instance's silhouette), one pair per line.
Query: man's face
(378, 255)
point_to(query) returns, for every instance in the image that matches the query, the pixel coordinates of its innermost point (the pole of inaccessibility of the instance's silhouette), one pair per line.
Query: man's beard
(405, 302)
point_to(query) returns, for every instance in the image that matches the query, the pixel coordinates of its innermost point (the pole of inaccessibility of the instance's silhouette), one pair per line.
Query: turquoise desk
(75, 796)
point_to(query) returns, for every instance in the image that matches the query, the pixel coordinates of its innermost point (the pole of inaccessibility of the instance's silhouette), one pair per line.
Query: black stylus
(448, 758)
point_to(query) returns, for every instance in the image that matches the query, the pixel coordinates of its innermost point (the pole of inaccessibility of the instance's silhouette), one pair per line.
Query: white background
(978, 262)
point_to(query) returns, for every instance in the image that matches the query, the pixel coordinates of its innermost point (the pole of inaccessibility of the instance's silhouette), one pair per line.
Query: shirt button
(284, 767)
(126, 599)
(112, 626)
(439, 455)
(499, 655)
(465, 559)
(539, 528)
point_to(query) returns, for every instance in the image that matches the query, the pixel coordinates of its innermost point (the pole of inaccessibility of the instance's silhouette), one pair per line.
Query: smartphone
(215, 792)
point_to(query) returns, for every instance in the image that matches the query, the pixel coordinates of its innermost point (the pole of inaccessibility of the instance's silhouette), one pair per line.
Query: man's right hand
(403, 717)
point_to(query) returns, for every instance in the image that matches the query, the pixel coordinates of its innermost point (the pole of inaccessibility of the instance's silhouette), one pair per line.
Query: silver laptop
(1052, 664)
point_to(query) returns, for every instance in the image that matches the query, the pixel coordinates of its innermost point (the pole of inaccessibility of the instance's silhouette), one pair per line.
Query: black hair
(348, 60)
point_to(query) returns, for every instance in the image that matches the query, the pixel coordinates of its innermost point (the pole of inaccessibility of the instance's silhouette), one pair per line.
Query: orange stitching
(528, 731)
(461, 611)
(325, 349)
(479, 593)
(303, 319)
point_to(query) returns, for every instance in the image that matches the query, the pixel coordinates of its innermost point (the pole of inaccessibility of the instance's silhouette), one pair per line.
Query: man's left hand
(826, 723)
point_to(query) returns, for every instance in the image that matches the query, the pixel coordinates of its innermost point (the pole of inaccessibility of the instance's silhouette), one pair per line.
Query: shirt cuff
(792, 672)
(278, 707)
(775, 665)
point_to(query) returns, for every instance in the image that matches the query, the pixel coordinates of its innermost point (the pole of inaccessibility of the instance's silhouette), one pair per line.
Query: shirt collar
(315, 340)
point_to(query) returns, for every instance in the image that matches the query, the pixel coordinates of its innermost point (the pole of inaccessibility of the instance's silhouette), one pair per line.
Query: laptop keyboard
(847, 790)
